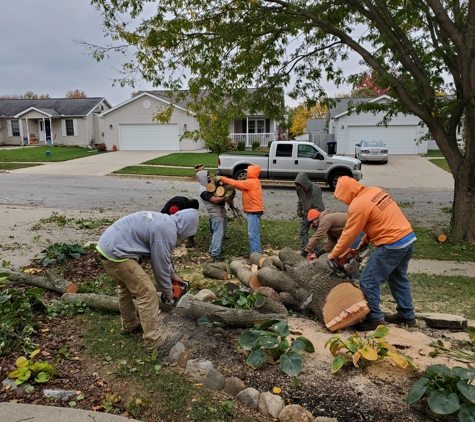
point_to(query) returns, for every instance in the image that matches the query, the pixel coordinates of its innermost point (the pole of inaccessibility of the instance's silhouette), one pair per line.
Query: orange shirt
(371, 210)
(251, 189)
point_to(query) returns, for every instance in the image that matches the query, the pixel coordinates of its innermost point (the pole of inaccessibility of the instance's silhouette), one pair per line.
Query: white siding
(151, 137)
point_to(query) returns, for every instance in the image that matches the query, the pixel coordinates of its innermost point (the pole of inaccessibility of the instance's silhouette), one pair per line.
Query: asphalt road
(127, 195)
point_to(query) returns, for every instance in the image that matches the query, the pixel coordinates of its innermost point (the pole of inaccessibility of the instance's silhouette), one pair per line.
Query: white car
(371, 150)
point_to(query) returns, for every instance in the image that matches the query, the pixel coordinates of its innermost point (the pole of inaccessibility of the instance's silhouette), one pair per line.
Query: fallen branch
(52, 281)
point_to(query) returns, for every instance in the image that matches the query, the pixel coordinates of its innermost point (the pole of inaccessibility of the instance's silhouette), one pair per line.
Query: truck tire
(332, 181)
(240, 174)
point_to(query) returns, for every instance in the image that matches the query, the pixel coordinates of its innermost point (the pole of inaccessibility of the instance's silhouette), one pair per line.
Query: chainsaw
(179, 290)
(348, 263)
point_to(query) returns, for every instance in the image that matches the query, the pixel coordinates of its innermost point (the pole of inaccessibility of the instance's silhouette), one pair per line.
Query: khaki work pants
(133, 281)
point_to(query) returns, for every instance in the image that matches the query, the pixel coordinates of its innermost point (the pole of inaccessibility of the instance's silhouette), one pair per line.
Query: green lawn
(186, 159)
(442, 163)
(15, 166)
(434, 153)
(157, 171)
(36, 154)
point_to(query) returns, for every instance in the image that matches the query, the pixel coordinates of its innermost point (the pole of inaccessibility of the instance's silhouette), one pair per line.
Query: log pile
(310, 285)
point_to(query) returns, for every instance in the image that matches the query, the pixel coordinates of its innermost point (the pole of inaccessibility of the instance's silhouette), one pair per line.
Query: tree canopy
(415, 47)
(303, 113)
(76, 94)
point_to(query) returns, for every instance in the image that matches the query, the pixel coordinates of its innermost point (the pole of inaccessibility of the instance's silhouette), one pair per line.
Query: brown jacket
(332, 225)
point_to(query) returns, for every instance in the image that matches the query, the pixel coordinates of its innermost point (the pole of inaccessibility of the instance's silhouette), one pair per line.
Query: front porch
(249, 138)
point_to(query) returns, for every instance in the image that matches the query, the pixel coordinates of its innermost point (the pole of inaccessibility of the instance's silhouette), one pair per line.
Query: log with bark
(244, 274)
(216, 270)
(313, 285)
(193, 309)
(52, 281)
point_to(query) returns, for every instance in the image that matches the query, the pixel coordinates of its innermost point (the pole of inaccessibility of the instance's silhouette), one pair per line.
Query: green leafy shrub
(59, 308)
(17, 321)
(29, 370)
(241, 146)
(268, 342)
(57, 253)
(236, 298)
(269, 144)
(366, 350)
(447, 391)
(255, 145)
(465, 350)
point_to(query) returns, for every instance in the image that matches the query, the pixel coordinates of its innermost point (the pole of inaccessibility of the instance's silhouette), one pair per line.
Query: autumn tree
(409, 45)
(28, 95)
(303, 113)
(76, 94)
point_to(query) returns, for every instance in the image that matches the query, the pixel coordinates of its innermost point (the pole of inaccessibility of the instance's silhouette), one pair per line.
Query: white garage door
(398, 139)
(150, 137)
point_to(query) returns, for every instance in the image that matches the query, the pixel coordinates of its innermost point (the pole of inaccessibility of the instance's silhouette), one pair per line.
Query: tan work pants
(133, 281)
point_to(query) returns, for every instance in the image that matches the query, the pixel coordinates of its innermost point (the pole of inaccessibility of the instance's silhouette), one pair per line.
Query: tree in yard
(76, 94)
(303, 113)
(367, 86)
(28, 95)
(414, 47)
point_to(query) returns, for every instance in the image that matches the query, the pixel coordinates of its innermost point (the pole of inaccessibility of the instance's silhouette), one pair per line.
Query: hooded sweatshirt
(181, 202)
(332, 225)
(310, 199)
(214, 210)
(149, 234)
(251, 189)
(371, 210)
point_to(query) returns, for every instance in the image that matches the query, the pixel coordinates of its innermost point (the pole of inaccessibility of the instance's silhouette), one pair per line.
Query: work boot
(190, 242)
(136, 330)
(368, 324)
(218, 257)
(172, 339)
(399, 319)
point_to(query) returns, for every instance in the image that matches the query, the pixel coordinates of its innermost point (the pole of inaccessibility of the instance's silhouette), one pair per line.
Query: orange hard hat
(313, 214)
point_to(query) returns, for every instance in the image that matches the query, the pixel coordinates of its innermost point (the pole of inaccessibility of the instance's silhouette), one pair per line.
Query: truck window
(284, 150)
(306, 151)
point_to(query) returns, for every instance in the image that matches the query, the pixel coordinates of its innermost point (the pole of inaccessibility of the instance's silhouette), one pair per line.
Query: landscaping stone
(234, 386)
(215, 380)
(59, 394)
(249, 397)
(184, 358)
(324, 419)
(205, 295)
(176, 351)
(198, 368)
(295, 413)
(270, 404)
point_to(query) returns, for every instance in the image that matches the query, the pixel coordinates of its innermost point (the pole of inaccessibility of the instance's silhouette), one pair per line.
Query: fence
(320, 139)
(249, 138)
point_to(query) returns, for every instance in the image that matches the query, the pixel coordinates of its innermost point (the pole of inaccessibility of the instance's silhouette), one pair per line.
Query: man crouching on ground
(122, 247)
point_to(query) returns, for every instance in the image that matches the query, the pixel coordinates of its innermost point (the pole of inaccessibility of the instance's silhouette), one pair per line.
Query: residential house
(402, 135)
(58, 121)
(131, 125)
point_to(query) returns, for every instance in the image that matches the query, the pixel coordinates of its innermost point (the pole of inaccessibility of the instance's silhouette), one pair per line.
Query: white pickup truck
(288, 158)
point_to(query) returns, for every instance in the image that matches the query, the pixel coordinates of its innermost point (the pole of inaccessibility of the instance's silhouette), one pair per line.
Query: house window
(15, 128)
(256, 126)
(69, 127)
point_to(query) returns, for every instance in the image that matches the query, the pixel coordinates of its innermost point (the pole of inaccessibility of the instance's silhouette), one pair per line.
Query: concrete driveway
(407, 171)
(96, 164)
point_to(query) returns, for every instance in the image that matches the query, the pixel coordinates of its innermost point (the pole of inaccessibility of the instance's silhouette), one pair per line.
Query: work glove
(217, 178)
(320, 253)
(228, 193)
(312, 257)
(304, 254)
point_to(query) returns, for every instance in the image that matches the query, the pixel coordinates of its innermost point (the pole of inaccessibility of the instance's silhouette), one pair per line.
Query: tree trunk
(462, 225)
(218, 270)
(244, 274)
(192, 308)
(52, 281)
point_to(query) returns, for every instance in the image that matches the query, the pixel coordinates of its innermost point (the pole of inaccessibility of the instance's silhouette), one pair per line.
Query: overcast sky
(39, 54)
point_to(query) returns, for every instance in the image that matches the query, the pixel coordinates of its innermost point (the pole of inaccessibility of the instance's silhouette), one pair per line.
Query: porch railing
(249, 138)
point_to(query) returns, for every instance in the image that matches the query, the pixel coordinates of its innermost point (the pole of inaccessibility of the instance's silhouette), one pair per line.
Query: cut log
(218, 271)
(254, 268)
(442, 238)
(268, 305)
(220, 191)
(211, 187)
(52, 281)
(192, 308)
(243, 273)
(271, 293)
(436, 320)
(278, 263)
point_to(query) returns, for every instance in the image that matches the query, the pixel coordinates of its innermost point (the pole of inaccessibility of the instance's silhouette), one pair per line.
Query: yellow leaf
(356, 358)
(369, 352)
(276, 390)
(34, 353)
(112, 330)
(21, 362)
(397, 359)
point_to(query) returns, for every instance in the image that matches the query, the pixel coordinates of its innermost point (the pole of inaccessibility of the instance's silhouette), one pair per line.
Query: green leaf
(266, 342)
(464, 373)
(337, 363)
(266, 324)
(256, 358)
(75, 255)
(35, 291)
(438, 370)
(418, 390)
(248, 338)
(205, 321)
(283, 345)
(42, 377)
(308, 344)
(467, 390)
(471, 331)
(4, 298)
(442, 404)
(281, 328)
(382, 331)
(297, 346)
(291, 363)
(467, 413)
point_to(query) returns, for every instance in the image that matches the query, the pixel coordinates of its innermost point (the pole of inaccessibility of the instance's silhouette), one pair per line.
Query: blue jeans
(388, 265)
(304, 226)
(253, 232)
(217, 228)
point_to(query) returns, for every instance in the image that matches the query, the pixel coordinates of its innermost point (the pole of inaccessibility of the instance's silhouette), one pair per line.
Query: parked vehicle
(371, 150)
(288, 158)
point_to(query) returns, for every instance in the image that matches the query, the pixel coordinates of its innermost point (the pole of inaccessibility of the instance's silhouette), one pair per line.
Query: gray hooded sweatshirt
(149, 234)
(214, 210)
(310, 199)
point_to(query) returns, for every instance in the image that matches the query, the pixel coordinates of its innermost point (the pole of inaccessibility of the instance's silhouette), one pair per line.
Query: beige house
(52, 121)
(130, 126)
